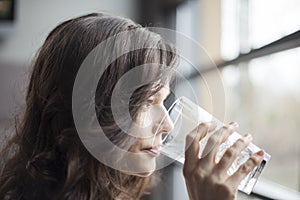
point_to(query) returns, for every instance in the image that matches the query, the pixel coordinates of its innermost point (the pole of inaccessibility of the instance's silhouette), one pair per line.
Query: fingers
(205, 171)
(232, 152)
(192, 142)
(246, 168)
(215, 140)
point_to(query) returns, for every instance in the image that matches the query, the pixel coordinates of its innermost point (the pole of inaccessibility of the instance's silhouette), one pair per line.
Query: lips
(154, 151)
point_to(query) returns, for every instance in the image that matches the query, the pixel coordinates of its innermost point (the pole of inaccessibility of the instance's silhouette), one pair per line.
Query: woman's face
(152, 121)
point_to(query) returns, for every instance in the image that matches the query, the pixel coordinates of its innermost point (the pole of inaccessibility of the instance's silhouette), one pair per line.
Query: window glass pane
(270, 20)
(264, 97)
(230, 29)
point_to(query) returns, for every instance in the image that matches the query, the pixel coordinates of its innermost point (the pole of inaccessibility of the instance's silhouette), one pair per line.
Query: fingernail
(261, 153)
(234, 124)
(248, 137)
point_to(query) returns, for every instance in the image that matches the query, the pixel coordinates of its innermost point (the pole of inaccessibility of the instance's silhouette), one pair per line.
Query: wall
(34, 20)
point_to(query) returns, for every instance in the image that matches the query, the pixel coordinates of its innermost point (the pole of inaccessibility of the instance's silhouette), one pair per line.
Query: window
(263, 95)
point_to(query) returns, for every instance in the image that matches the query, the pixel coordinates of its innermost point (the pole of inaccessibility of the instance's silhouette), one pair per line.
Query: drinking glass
(185, 116)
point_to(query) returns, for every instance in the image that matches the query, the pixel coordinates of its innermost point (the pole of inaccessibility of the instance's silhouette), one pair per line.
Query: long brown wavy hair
(45, 158)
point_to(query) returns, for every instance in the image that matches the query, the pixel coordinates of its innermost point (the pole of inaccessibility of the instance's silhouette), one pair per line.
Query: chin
(144, 168)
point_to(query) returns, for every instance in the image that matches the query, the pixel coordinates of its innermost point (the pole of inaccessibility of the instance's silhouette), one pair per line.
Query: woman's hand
(205, 179)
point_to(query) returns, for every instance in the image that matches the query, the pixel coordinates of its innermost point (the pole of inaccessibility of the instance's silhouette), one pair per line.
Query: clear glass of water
(186, 115)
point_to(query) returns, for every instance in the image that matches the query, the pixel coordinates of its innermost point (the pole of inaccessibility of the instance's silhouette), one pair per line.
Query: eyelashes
(147, 104)
(151, 102)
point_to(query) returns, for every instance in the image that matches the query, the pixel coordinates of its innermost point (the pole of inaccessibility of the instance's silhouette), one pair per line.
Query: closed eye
(146, 105)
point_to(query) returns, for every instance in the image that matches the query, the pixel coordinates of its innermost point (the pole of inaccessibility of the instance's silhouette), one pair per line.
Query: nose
(164, 123)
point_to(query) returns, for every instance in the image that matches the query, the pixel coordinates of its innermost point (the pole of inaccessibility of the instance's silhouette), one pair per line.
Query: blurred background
(255, 45)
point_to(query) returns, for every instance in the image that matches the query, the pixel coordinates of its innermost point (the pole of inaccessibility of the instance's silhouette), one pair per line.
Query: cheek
(136, 146)
(144, 119)
(147, 123)
(142, 128)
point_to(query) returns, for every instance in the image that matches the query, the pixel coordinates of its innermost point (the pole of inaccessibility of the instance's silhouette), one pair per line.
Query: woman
(46, 159)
